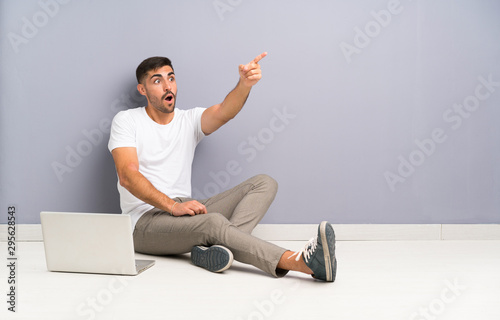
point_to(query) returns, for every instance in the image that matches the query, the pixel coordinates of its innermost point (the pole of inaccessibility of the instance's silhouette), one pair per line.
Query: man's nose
(167, 86)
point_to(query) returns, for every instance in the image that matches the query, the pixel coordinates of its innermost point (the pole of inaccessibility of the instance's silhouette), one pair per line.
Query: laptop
(90, 243)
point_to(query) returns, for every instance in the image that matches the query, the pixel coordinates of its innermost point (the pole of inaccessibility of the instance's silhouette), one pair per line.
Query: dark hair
(153, 63)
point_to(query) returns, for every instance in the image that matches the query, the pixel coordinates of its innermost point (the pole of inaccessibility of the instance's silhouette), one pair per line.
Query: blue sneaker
(319, 253)
(215, 258)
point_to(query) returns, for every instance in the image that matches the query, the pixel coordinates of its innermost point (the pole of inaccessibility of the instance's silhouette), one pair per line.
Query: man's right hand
(191, 208)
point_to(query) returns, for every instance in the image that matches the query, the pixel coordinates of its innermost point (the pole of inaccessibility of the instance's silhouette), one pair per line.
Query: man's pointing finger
(259, 57)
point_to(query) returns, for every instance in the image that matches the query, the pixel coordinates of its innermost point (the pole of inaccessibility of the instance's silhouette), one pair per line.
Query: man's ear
(141, 89)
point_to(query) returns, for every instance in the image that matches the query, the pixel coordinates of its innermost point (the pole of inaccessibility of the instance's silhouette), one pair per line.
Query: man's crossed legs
(232, 216)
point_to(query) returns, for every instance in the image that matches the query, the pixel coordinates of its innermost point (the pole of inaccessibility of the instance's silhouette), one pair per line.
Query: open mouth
(170, 97)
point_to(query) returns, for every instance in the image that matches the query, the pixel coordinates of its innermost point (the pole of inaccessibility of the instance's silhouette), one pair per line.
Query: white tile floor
(384, 280)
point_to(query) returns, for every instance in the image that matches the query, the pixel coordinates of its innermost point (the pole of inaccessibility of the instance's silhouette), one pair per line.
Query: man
(153, 149)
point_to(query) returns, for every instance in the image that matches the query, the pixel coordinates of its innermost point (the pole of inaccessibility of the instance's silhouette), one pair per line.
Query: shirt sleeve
(122, 131)
(196, 114)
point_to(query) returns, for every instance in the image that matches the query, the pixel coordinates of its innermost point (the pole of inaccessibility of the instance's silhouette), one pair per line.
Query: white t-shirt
(165, 152)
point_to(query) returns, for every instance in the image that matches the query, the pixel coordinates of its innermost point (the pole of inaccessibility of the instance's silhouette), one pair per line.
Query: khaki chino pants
(231, 217)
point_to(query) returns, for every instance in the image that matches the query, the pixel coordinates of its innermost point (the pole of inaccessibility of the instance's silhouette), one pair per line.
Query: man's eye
(171, 79)
(157, 81)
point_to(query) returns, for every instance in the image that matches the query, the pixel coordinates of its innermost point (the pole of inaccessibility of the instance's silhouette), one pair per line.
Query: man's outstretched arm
(218, 115)
(127, 167)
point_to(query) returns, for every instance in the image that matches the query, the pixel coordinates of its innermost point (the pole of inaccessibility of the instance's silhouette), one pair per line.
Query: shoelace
(307, 251)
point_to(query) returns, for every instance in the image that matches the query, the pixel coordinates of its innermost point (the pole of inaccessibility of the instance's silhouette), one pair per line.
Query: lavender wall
(368, 111)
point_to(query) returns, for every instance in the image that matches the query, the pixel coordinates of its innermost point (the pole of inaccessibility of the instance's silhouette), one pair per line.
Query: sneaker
(319, 253)
(215, 258)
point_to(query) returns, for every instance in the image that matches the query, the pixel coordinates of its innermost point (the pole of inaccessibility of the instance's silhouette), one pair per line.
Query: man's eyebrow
(159, 75)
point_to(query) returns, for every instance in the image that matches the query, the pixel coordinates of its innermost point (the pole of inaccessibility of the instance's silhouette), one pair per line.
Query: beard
(159, 104)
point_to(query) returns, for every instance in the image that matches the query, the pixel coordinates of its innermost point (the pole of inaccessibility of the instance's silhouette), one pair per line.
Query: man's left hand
(250, 73)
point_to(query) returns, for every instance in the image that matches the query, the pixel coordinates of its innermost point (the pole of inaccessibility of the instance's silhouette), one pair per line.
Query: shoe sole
(208, 263)
(326, 251)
